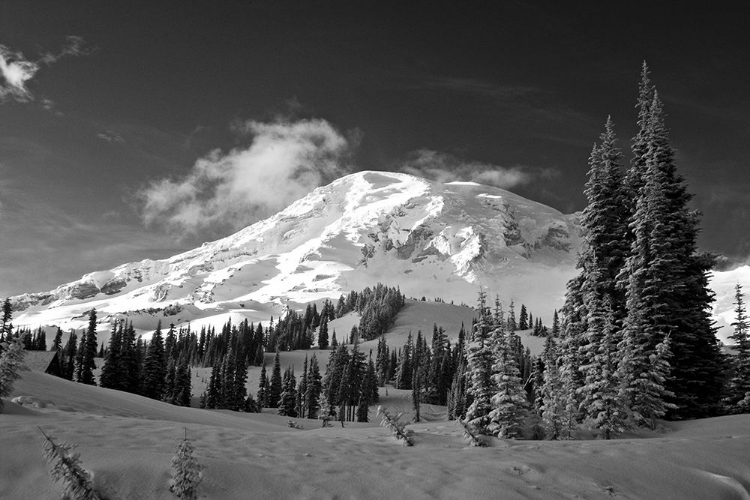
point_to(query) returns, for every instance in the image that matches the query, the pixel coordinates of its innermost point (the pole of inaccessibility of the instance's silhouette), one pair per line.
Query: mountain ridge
(362, 228)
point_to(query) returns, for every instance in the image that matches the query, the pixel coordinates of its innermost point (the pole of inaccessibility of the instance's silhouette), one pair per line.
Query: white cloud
(443, 167)
(284, 162)
(16, 70)
(110, 136)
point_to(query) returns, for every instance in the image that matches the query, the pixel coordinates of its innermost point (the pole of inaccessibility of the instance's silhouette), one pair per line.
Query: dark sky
(127, 103)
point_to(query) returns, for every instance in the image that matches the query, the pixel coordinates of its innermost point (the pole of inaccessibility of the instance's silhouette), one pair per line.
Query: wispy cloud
(16, 70)
(443, 167)
(284, 161)
(110, 136)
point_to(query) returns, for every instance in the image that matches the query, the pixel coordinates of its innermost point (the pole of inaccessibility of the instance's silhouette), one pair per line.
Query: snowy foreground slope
(428, 238)
(127, 442)
(431, 239)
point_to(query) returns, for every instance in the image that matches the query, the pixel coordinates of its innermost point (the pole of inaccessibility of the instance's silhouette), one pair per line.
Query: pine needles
(186, 471)
(397, 428)
(66, 468)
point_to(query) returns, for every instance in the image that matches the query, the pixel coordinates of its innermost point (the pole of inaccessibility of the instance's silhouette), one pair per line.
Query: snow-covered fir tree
(601, 402)
(738, 398)
(509, 400)
(666, 283)
(66, 468)
(186, 473)
(479, 370)
(11, 363)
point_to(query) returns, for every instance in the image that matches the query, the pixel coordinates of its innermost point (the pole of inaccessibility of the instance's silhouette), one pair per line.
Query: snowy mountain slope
(723, 284)
(429, 238)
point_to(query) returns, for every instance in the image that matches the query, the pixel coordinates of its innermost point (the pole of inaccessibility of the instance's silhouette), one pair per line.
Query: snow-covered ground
(127, 442)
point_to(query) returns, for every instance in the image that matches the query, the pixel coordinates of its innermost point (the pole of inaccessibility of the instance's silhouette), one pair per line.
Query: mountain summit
(429, 238)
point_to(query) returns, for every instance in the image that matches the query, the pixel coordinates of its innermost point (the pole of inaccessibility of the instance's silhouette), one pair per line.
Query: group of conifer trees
(349, 385)
(154, 369)
(488, 391)
(637, 342)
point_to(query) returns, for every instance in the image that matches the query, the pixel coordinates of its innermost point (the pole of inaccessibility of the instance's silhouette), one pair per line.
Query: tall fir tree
(602, 404)
(110, 377)
(130, 362)
(288, 398)
(479, 370)
(276, 384)
(666, 284)
(323, 333)
(509, 401)
(86, 364)
(71, 351)
(154, 367)
(6, 321)
(313, 391)
(262, 395)
(738, 398)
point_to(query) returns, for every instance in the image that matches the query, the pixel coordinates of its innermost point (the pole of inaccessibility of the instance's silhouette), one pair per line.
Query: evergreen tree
(6, 322)
(57, 342)
(512, 326)
(185, 472)
(111, 376)
(479, 370)
(11, 362)
(382, 362)
(602, 403)
(130, 364)
(239, 388)
(558, 408)
(183, 389)
(323, 333)
(170, 378)
(67, 469)
(509, 401)
(555, 324)
(213, 391)
(301, 404)
(404, 369)
(41, 343)
(288, 398)
(739, 383)
(86, 364)
(523, 319)
(154, 367)
(275, 386)
(313, 391)
(71, 351)
(666, 284)
(263, 388)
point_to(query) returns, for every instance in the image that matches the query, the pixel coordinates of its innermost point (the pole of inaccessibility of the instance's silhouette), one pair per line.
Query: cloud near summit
(284, 162)
(443, 167)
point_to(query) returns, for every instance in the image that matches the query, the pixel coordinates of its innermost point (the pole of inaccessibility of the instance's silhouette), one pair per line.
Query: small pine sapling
(186, 471)
(11, 362)
(470, 435)
(397, 428)
(66, 468)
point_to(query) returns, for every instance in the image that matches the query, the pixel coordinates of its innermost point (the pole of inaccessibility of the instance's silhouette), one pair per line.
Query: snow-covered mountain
(429, 238)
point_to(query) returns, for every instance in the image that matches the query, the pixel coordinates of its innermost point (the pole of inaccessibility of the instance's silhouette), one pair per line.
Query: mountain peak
(430, 238)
